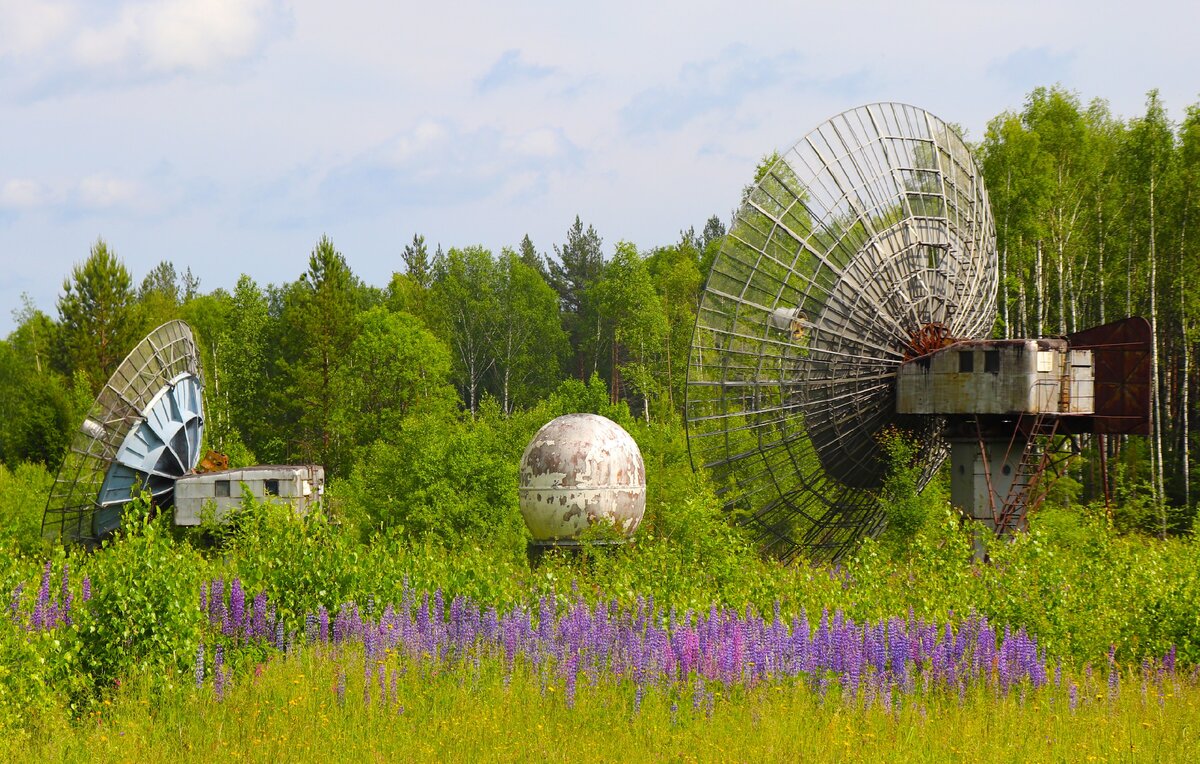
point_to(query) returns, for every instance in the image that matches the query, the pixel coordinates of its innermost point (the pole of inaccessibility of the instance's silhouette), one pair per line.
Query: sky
(228, 137)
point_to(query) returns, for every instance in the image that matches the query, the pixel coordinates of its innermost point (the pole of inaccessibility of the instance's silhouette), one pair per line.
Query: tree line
(317, 369)
(1097, 217)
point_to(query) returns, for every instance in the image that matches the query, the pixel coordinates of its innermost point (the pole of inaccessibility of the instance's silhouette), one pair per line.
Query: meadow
(304, 639)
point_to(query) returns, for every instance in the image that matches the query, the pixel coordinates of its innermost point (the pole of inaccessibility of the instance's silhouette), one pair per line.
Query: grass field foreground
(311, 706)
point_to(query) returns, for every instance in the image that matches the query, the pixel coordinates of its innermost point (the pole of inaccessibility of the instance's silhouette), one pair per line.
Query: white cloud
(106, 191)
(540, 142)
(72, 45)
(27, 26)
(442, 162)
(100, 193)
(22, 193)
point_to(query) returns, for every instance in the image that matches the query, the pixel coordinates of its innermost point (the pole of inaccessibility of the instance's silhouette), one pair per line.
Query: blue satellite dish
(144, 431)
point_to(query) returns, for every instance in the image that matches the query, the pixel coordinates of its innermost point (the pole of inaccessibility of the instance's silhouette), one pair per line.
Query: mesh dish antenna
(867, 243)
(144, 430)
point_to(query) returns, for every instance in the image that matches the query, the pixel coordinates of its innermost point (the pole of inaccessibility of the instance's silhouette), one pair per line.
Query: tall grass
(291, 710)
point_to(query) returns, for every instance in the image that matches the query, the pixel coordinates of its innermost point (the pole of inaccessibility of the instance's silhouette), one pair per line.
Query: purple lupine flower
(216, 603)
(41, 610)
(86, 588)
(258, 617)
(14, 607)
(1114, 680)
(200, 666)
(1073, 696)
(322, 624)
(310, 628)
(571, 669)
(341, 687)
(219, 675)
(1169, 661)
(237, 608)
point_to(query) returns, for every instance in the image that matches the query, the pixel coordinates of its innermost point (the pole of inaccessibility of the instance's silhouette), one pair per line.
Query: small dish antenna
(145, 429)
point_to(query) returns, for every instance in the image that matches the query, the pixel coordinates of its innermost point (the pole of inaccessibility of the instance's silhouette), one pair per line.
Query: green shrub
(300, 561)
(143, 616)
(22, 500)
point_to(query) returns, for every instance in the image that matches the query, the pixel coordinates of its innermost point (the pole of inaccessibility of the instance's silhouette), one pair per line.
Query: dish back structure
(145, 429)
(868, 242)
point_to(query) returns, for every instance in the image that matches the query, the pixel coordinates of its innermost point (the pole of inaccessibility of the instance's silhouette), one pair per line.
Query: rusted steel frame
(987, 470)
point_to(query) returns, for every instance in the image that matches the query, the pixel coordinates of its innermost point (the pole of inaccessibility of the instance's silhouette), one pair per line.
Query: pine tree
(532, 258)
(416, 262)
(580, 263)
(96, 315)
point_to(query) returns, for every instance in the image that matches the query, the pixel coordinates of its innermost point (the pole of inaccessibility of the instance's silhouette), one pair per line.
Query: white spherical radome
(578, 470)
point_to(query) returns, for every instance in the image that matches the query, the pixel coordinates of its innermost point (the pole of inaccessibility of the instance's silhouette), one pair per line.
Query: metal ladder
(1034, 460)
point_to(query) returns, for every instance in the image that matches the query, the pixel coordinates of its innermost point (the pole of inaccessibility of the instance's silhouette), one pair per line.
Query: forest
(1097, 218)
(419, 395)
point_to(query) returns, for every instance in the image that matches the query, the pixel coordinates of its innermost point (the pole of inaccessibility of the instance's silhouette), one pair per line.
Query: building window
(270, 488)
(991, 361)
(966, 361)
(221, 489)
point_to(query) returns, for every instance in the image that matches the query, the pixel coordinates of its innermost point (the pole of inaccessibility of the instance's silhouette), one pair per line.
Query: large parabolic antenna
(144, 430)
(867, 243)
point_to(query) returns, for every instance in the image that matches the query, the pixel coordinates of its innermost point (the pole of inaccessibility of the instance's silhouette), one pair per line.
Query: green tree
(395, 367)
(319, 322)
(1016, 173)
(97, 325)
(416, 262)
(579, 266)
(532, 258)
(633, 312)
(246, 369)
(1188, 259)
(529, 343)
(468, 318)
(158, 298)
(36, 409)
(710, 244)
(161, 279)
(675, 272)
(1149, 155)
(209, 316)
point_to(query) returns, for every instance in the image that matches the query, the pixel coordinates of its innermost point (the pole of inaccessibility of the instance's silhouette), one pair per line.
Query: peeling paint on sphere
(577, 470)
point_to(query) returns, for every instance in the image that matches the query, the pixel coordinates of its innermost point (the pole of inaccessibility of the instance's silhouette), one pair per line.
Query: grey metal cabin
(300, 486)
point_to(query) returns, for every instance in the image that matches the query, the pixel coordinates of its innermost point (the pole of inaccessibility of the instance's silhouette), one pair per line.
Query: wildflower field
(284, 638)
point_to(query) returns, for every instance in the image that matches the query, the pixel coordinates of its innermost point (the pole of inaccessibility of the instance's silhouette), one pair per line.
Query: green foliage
(467, 313)
(35, 409)
(626, 297)
(301, 562)
(97, 325)
(529, 344)
(580, 261)
(23, 491)
(447, 480)
(320, 321)
(142, 618)
(395, 367)
(905, 508)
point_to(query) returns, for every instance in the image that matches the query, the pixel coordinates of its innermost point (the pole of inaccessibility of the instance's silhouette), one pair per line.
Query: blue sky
(229, 136)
